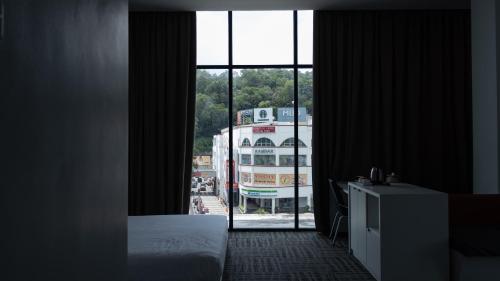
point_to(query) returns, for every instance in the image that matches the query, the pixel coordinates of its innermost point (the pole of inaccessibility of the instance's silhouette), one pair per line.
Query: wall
(64, 140)
(485, 100)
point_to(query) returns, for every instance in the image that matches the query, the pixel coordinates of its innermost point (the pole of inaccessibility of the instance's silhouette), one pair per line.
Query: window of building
(290, 142)
(246, 142)
(246, 159)
(264, 142)
(288, 160)
(265, 160)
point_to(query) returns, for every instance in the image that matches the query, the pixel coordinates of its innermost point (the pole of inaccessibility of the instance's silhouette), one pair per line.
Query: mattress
(176, 247)
(474, 268)
(476, 241)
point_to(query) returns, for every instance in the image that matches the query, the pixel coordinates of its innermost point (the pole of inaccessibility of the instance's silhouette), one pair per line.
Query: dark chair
(341, 205)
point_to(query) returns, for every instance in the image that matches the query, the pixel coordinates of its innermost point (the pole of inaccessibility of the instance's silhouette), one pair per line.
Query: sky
(259, 37)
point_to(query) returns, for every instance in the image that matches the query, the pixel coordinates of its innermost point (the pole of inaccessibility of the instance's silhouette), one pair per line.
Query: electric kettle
(376, 175)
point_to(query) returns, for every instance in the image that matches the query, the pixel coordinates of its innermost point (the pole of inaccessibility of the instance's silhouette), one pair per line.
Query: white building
(263, 155)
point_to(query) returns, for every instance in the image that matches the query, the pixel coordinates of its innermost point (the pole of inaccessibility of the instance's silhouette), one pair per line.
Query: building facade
(263, 155)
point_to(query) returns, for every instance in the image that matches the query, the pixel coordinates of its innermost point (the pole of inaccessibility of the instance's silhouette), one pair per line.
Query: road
(280, 220)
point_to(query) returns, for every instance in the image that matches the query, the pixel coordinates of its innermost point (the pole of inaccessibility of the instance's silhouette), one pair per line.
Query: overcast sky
(259, 37)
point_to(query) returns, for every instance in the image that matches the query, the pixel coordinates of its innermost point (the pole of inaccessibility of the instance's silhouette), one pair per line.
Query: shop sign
(267, 179)
(264, 151)
(244, 117)
(246, 177)
(289, 179)
(285, 114)
(263, 115)
(235, 180)
(263, 129)
(268, 193)
(203, 160)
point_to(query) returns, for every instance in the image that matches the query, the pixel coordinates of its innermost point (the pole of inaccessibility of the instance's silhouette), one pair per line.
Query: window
(255, 67)
(265, 160)
(264, 142)
(290, 142)
(288, 160)
(263, 37)
(246, 142)
(246, 159)
(211, 37)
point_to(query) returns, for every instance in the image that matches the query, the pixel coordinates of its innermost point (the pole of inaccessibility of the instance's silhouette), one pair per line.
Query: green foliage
(252, 89)
(202, 146)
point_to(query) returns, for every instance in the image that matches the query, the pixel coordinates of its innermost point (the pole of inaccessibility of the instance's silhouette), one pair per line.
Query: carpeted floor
(284, 256)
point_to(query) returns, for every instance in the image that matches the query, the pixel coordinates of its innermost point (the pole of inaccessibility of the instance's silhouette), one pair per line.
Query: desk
(399, 232)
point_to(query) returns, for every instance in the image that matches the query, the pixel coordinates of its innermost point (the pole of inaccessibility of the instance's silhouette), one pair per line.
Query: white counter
(399, 232)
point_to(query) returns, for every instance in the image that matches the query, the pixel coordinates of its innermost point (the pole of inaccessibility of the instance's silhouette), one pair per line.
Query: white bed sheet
(176, 247)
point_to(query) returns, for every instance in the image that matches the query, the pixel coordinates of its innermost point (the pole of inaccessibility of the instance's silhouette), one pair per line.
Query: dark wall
(485, 90)
(64, 140)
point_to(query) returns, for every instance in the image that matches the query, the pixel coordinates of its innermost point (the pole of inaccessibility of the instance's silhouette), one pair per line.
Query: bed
(474, 236)
(475, 253)
(176, 247)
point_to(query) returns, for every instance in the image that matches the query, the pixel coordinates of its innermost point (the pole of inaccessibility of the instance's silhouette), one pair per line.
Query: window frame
(230, 67)
(246, 144)
(264, 142)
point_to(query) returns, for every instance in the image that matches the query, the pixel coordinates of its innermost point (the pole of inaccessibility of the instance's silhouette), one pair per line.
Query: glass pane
(208, 184)
(212, 38)
(264, 192)
(263, 37)
(305, 37)
(306, 204)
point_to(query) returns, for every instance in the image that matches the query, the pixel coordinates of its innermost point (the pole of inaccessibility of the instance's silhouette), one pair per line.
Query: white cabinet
(358, 223)
(373, 252)
(399, 232)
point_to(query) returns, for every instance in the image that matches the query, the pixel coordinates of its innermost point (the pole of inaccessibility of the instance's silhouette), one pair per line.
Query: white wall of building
(283, 186)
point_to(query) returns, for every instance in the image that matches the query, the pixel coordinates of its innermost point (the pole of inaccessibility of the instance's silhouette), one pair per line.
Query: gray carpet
(280, 256)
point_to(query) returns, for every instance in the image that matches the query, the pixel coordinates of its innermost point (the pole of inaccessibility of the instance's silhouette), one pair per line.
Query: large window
(255, 70)
(265, 160)
(290, 142)
(264, 142)
(246, 159)
(289, 160)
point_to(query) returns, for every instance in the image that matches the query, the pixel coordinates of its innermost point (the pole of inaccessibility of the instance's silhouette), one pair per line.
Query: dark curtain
(392, 89)
(162, 99)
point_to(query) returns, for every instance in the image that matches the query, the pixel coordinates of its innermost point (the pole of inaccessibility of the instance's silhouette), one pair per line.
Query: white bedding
(176, 247)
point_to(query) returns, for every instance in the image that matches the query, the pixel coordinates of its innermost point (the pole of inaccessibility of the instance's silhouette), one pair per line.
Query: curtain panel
(392, 89)
(162, 72)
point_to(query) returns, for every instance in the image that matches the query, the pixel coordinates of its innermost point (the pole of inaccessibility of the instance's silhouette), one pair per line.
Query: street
(279, 220)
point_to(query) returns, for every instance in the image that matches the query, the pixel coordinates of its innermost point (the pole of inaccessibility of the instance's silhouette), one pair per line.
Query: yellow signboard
(203, 160)
(267, 179)
(289, 179)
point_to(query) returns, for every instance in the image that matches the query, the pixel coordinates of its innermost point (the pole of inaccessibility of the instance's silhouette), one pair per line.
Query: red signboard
(264, 129)
(235, 183)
